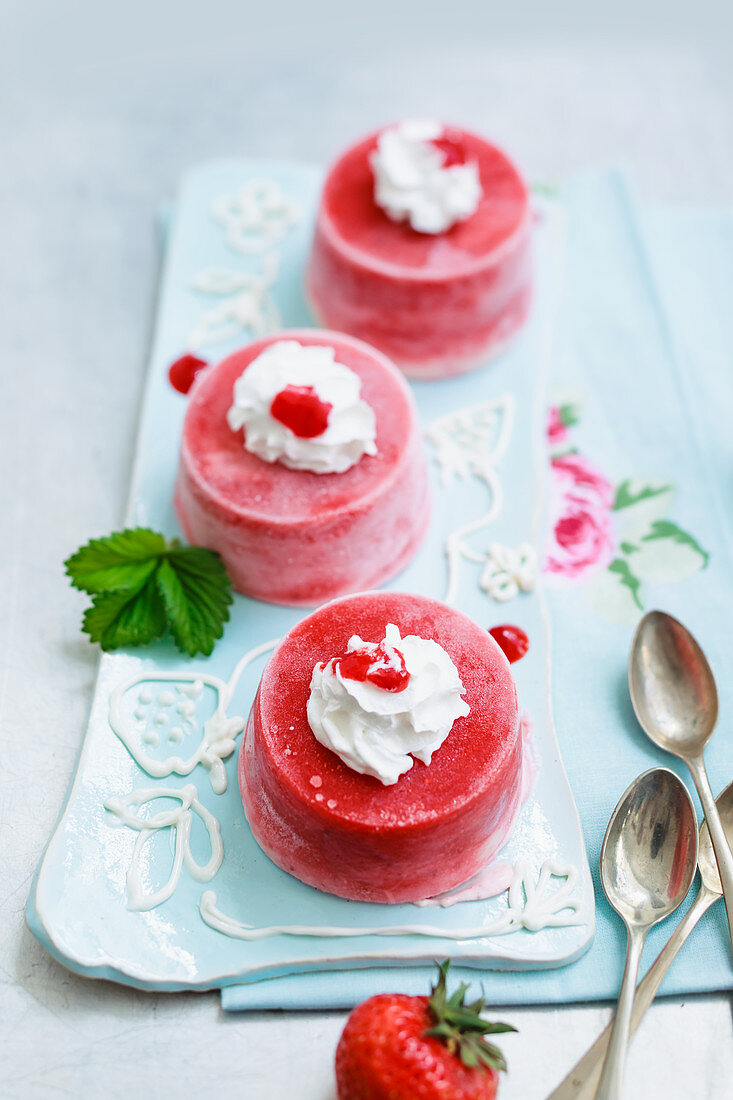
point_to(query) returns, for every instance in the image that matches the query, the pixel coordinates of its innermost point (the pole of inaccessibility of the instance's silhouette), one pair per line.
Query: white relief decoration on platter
(179, 704)
(179, 819)
(470, 443)
(256, 216)
(509, 571)
(247, 305)
(534, 903)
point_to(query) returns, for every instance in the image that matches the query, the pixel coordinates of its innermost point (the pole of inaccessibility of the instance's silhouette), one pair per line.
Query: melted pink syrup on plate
(512, 641)
(489, 883)
(182, 373)
(383, 668)
(301, 409)
(498, 874)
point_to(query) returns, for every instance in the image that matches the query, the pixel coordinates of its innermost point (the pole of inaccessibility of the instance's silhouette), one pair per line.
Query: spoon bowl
(648, 862)
(582, 1080)
(649, 852)
(672, 687)
(675, 699)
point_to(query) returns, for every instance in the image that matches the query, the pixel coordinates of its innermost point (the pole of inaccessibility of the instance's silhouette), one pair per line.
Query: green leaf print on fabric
(634, 491)
(643, 546)
(615, 593)
(627, 578)
(669, 554)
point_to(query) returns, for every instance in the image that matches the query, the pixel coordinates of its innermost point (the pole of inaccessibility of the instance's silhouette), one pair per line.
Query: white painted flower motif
(247, 307)
(256, 216)
(509, 571)
(129, 811)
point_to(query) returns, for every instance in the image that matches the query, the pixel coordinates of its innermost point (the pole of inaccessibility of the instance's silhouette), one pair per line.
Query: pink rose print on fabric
(557, 431)
(614, 539)
(581, 534)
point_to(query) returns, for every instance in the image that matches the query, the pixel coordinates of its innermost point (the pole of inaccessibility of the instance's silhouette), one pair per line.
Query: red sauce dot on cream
(512, 641)
(381, 667)
(452, 150)
(181, 374)
(301, 410)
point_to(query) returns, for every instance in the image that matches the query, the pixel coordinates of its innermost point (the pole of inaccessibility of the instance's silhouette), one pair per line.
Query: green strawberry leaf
(196, 592)
(126, 618)
(142, 585)
(120, 561)
(462, 1027)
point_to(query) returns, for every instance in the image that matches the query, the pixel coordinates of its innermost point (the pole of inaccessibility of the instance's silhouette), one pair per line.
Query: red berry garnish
(511, 640)
(452, 150)
(301, 410)
(383, 668)
(182, 373)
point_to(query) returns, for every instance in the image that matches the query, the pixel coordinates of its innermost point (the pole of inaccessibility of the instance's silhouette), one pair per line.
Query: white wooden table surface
(102, 108)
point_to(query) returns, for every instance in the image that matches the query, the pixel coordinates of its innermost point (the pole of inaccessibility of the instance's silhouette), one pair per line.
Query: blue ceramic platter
(215, 283)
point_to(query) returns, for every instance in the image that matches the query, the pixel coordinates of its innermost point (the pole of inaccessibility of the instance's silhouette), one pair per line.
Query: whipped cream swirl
(287, 367)
(415, 181)
(378, 731)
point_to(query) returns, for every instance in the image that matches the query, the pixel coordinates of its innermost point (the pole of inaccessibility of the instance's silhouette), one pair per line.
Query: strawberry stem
(461, 1027)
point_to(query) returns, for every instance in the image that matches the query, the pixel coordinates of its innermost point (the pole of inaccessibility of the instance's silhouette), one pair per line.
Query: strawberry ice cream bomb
(382, 759)
(303, 465)
(423, 248)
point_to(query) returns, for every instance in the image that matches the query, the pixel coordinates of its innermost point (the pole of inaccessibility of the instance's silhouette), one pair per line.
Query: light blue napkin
(642, 379)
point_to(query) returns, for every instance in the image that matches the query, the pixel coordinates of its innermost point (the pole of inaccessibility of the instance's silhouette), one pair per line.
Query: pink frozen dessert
(423, 248)
(382, 759)
(302, 464)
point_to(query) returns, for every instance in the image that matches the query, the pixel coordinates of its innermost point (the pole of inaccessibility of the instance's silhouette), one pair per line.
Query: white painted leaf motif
(509, 571)
(130, 812)
(547, 902)
(472, 440)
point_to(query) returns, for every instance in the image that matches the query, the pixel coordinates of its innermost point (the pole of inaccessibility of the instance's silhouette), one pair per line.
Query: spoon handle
(613, 1067)
(582, 1081)
(723, 854)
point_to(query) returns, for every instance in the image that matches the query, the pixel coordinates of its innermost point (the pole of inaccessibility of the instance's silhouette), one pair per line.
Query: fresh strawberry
(396, 1047)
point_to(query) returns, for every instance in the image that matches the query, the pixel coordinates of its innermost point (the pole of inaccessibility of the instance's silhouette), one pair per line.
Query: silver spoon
(676, 702)
(648, 862)
(582, 1081)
